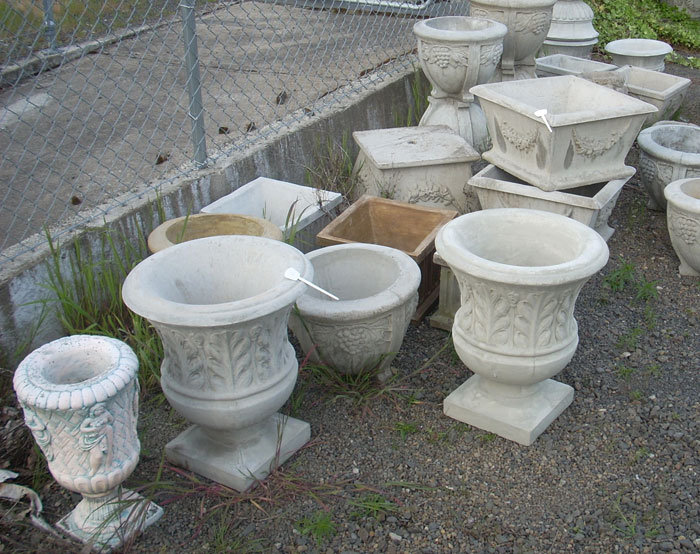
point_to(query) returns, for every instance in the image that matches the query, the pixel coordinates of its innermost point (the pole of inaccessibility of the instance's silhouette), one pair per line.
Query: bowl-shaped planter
(592, 129)
(640, 52)
(80, 399)
(199, 226)
(221, 306)
(591, 205)
(667, 152)
(363, 331)
(683, 218)
(563, 64)
(519, 273)
(528, 22)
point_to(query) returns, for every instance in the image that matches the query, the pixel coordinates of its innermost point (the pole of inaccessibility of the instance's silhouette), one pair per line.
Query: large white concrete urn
(528, 22)
(519, 272)
(363, 331)
(456, 53)
(683, 219)
(221, 306)
(80, 400)
(668, 151)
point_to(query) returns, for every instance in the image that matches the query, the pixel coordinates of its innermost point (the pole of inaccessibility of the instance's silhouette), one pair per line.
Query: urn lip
(159, 286)
(460, 29)
(672, 142)
(684, 194)
(394, 290)
(75, 372)
(479, 243)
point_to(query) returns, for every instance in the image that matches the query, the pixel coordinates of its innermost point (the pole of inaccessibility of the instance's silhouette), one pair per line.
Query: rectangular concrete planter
(592, 129)
(662, 90)
(403, 226)
(561, 64)
(590, 204)
(311, 209)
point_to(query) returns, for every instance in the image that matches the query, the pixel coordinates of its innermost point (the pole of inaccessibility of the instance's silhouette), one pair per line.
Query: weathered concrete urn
(457, 53)
(668, 152)
(683, 219)
(363, 331)
(528, 22)
(639, 52)
(80, 399)
(221, 306)
(519, 273)
(571, 30)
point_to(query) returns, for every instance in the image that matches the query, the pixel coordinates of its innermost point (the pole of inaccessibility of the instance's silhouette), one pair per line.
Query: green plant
(320, 526)
(334, 169)
(627, 524)
(649, 316)
(405, 429)
(629, 340)
(486, 437)
(625, 372)
(372, 504)
(646, 290)
(636, 395)
(654, 369)
(618, 279)
(420, 89)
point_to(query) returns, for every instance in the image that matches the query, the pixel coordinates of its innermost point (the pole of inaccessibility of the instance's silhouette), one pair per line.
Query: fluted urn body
(528, 22)
(571, 31)
(80, 400)
(221, 306)
(519, 272)
(456, 53)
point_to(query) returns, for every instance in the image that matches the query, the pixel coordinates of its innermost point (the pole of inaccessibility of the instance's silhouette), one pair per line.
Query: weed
(654, 369)
(486, 437)
(627, 523)
(649, 317)
(618, 279)
(334, 169)
(291, 222)
(625, 372)
(640, 454)
(320, 526)
(405, 429)
(372, 504)
(420, 89)
(629, 340)
(646, 290)
(637, 211)
(636, 395)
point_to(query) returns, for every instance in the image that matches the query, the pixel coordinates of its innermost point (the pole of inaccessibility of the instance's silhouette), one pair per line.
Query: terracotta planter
(221, 306)
(80, 400)
(378, 290)
(683, 217)
(519, 273)
(639, 52)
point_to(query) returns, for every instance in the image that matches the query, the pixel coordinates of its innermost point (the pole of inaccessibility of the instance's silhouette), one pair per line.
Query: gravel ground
(618, 471)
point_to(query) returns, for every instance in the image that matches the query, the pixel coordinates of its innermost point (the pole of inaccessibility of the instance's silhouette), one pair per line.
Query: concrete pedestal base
(239, 466)
(518, 419)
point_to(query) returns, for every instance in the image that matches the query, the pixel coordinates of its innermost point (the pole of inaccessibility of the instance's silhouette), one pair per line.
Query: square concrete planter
(662, 90)
(428, 165)
(284, 204)
(562, 64)
(449, 300)
(590, 204)
(592, 129)
(406, 227)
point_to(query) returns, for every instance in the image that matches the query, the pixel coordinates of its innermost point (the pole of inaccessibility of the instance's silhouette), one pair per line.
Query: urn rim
(638, 47)
(485, 30)
(684, 194)
(649, 142)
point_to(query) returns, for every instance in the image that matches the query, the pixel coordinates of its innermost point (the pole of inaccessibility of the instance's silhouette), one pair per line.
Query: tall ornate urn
(457, 53)
(528, 23)
(80, 400)
(519, 272)
(571, 31)
(221, 306)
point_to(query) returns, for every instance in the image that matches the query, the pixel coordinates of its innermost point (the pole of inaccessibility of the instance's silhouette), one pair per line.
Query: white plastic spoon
(294, 275)
(542, 114)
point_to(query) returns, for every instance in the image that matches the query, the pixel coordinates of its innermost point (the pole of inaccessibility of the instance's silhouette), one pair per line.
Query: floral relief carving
(647, 168)
(491, 55)
(536, 23)
(436, 195)
(445, 56)
(593, 148)
(481, 12)
(687, 229)
(524, 142)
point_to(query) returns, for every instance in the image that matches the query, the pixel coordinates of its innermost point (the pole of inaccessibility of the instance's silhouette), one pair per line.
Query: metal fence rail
(101, 100)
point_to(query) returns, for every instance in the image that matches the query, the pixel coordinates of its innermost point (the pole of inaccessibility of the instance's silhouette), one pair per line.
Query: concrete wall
(26, 324)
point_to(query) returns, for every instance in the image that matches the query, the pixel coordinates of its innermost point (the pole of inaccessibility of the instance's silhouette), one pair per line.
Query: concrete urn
(571, 31)
(363, 331)
(668, 151)
(519, 272)
(80, 400)
(683, 219)
(639, 52)
(221, 306)
(457, 53)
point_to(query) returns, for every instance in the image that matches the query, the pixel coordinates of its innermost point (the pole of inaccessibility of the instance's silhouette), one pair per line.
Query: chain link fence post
(49, 25)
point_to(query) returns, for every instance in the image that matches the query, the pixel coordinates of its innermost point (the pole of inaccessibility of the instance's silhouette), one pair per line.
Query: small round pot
(363, 331)
(667, 152)
(182, 229)
(683, 218)
(640, 52)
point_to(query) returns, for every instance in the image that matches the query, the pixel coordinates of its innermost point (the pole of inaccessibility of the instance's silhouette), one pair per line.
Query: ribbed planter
(378, 291)
(519, 273)
(80, 400)
(221, 306)
(683, 218)
(571, 31)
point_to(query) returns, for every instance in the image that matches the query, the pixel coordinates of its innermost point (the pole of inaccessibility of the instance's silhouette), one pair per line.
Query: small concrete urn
(221, 306)
(639, 52)
(571, 31)
(80, 400)
(519, 273)
(683, 218)
(528, 22)
(457, 53)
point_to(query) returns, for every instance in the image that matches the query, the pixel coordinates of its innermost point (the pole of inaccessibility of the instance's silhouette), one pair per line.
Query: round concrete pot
(683, 218)
(640, 52)
(363, 331)
(221, 306)
(519, 272)
(183, 229)
(457, 53)
(80, 400)
(667, 152)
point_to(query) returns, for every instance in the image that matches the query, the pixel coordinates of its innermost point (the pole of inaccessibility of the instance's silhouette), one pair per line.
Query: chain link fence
(101, 100)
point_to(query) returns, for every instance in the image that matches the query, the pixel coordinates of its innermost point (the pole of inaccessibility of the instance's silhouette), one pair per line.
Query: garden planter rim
(592, 257)
(494, 31)
(661, 48)
(676, 195)
(648, 143)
